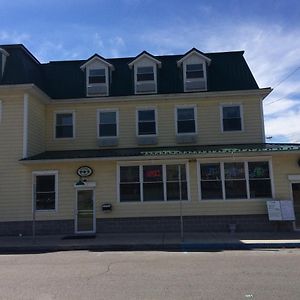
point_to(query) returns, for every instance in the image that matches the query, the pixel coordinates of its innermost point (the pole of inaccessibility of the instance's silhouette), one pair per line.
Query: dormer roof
(143, 55)
(191, 52)
(94, 58)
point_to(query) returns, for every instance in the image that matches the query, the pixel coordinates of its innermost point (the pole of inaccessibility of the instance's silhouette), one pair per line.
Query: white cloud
(13, 37)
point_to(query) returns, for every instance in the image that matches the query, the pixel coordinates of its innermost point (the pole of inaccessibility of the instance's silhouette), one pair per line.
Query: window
(194, 71)
(259, 180)
(150, 183)
(211, 182)
(232, 120)
(107, 123)
(64, 127)
(45, 190)
(145, 80)
(130, 184)
(186, 122)
(235, 180)
(97, 76)
(175, 175)
(146, 122)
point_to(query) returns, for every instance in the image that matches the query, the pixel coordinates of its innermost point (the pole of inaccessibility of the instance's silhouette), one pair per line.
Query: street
(260, 274)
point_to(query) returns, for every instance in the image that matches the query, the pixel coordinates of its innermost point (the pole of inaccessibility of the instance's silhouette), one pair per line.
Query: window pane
(143, 70)
(108, 130)
(152, 173)
(64, 131)
(64, 119)
(45, 201)
(145, 77)
(185, 114)
(260, 188)
(211, 190)
(235, 189)
(146, 115)
(97, 72)
(173, 192)
(130, 174)
(259, 169)
(45, 183)
(186, 126)
(234, 170)
(231, 112)
(97, 79)
(153, 191)
(210, 172)
(147, 128)
(173, 172)
(108, 117)
(194, 67)
(130, 192)
(194, 74)
(232, 124)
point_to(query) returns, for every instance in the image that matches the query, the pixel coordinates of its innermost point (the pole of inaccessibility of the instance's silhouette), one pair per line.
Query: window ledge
(146, 140)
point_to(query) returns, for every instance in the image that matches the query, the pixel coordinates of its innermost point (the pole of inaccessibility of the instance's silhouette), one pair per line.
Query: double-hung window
(235, 180)
(232, 118)
(186, 120)
(146, 122)
(150, 183)
(97, 76)
(107, 123)
(97, 82)
(64, 125)
(194, 77)
(45, 190)
(145, 80)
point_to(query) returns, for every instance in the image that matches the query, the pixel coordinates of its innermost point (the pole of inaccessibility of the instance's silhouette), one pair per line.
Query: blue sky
(268, 31)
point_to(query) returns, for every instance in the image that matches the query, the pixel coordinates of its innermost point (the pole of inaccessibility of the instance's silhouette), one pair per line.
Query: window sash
(107, 126)
(232, 120)
(145, 74)
(97, 76)
(64, 125)
(45, 193)
(186, 121)
(146, 122)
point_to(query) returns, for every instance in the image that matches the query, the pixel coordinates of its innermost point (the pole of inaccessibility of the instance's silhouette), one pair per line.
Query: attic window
(145, 80)
(194, 71)
(97, 82)
(194, 77)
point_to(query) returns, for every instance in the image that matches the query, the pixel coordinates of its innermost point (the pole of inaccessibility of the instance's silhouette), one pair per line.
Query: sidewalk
(151, 241)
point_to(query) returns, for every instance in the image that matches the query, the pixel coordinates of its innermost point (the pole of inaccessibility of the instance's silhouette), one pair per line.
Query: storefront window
(130, 184)
(173, 182)
(211, 183)
(153, 188)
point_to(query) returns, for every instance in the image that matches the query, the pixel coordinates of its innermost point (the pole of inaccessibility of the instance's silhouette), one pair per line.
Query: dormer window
(145, 68)
(194, 65)
(98, 72)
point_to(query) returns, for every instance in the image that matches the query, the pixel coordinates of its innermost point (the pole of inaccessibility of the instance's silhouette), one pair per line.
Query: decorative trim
(294, 177)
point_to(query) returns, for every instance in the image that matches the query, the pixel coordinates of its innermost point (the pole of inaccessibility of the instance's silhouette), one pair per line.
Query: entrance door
(296, 199)
(85, 215)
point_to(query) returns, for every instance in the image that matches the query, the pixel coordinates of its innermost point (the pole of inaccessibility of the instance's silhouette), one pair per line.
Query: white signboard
(281, 210)
(274, 210)
(287, 210)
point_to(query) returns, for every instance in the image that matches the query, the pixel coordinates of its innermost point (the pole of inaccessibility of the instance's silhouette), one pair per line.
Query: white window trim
(147, 163)
(245, 160)
(97, 84)
(194, 106)
(44, 173)
(185, 79)
(137, 121)
(98, 122)
(73, 123)
(241, 114)
(155, 79)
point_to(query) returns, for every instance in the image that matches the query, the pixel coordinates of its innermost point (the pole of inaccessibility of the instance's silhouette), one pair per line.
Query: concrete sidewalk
(151, 241)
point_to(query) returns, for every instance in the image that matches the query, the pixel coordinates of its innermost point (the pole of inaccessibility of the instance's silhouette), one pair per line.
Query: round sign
(84, 171)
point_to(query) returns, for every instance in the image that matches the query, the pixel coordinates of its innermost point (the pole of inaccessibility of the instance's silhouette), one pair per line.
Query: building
(130, 144)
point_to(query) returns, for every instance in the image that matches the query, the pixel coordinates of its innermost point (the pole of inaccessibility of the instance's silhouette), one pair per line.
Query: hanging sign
(84, 171)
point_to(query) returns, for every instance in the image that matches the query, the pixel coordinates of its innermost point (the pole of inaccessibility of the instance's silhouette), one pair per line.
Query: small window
(186, 122)
(145, 74)
(235, 180)
(175, 190)
(194, 71)
(232, 120)
(45, 192)
(211, 181)
(130, 184)
(107, 126)
(146, 122)
(259, 180)
(64, 125)
(97, 76)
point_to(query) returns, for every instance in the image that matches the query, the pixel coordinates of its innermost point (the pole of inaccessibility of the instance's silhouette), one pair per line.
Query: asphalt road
(265, 274)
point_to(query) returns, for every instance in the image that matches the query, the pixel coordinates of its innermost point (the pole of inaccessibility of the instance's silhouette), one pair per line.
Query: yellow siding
(208, 115)
(36, 126)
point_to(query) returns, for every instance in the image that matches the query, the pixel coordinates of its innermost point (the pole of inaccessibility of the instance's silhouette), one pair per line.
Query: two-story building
(131, 144)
